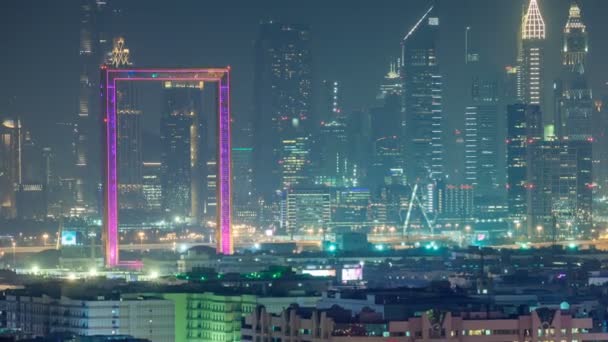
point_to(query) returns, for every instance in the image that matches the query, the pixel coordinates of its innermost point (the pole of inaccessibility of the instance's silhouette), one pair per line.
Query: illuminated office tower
(330, 101)
(93, 47)
(210, 199)
(533, 46)
(350, 207)
(387, 137)
(10, 168)
(308, 211)
(179, 147)
(49, 173)
(151, 188)
(294, 162)
(600, 154)
(481, 134)
(336, 168)
(243, 200)
(574, 99)
(524, 130)
(560, 189)
(422, 92)
(481, 138)
(242, 174)
(282, 106)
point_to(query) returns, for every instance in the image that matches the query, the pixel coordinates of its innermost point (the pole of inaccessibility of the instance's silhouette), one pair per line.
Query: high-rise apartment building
(282, 104)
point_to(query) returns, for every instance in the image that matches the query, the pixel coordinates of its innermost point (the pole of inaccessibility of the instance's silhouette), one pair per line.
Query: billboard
(68, 238)
(352, 273)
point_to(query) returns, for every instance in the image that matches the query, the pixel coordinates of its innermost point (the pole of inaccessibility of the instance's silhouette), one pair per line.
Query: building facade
(142, 317)
(533, 44)
(422, 91)
(308, 211)
(282, 105)
(524, 129)
(303, 324)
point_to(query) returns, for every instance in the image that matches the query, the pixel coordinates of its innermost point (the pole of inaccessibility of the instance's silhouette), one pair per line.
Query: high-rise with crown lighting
(574, 99)
(533, 36)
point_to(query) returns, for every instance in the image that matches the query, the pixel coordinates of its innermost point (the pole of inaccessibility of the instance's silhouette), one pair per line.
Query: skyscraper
(524, 129)
(179, 141)
(93, 46)
(533, 49)
(10, 167)
(330, 101)
(481, 137)
(308, 211)
(282, 104)
(129, 139)
(560, 189)
(423, 100)
(574, 98)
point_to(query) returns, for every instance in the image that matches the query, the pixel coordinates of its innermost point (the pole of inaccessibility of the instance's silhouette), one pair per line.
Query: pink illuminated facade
(109, 82)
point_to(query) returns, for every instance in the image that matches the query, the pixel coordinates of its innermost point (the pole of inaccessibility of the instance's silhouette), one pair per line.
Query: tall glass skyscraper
(282, 101)
(574, 98)
(423, 101)
(93, 47)
(524, 130)
(179, 148)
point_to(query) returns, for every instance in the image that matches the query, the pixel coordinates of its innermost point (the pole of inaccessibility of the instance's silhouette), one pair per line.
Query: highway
(182, 246)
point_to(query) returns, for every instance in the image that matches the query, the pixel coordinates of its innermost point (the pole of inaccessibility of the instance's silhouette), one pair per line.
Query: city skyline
(355, 94)
(426, 156)
(395, 170)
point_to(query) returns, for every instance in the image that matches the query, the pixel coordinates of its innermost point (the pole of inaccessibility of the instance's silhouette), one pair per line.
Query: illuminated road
(181, 246)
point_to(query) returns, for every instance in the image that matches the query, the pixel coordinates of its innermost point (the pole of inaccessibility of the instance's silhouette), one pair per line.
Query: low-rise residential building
(217, 316)
(338, 325)
(148, 318)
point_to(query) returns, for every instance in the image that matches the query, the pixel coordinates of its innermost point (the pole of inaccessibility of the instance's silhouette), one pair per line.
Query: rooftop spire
(534, 25)
(574, 18)
(120, 54)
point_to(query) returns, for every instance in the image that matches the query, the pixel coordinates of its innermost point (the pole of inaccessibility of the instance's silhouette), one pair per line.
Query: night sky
(353, 41)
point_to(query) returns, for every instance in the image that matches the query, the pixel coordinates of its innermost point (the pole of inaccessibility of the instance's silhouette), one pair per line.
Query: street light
(539, 229)
(45, 237)
(141, 238)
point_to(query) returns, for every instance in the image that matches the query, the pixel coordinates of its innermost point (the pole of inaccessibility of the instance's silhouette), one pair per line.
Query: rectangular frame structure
(109, 79)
